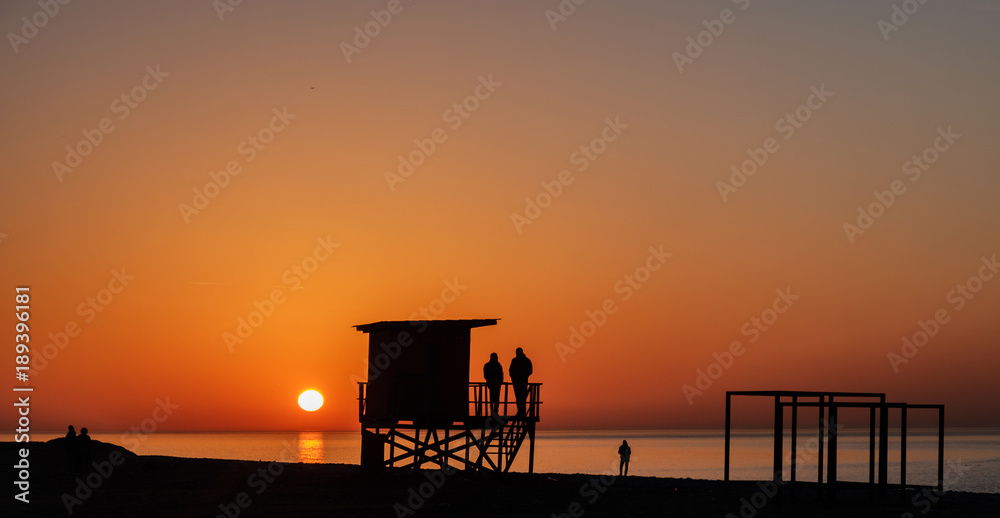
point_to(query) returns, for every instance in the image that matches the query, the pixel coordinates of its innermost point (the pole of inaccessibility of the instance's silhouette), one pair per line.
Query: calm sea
(972, 456)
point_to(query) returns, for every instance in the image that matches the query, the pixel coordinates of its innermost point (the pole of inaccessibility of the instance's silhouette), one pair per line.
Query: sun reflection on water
(310, 447)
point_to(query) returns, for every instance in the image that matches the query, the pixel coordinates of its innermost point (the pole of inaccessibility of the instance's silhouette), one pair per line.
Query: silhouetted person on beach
(83, 451)
(71, 449)
(493, 374)
(519, 370)
(625, 452)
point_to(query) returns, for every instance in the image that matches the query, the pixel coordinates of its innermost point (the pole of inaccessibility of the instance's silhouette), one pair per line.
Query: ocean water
(972, 457)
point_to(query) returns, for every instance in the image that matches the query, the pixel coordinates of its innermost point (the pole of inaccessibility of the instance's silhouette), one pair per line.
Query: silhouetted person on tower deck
(83, 452)
(519, 370)
(493, 374)
(625, 452)
(71, 449)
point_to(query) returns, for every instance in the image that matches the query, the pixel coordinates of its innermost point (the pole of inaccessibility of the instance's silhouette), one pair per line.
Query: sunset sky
(500, 160)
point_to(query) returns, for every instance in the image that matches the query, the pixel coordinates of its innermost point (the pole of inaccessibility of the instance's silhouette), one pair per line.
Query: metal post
(725, 476)
(941, 448)
(883, 449)
(795, 425)
(871, 445)
(822, 437)
(902, 449)
(831, 468)
(779, 433)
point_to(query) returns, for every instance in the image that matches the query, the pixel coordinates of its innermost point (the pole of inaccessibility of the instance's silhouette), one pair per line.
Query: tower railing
(479, 400)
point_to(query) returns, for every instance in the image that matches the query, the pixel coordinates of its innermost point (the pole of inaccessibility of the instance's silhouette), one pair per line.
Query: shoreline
(124, 484)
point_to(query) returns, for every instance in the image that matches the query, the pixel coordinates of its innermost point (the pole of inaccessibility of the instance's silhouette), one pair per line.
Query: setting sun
(310, 400)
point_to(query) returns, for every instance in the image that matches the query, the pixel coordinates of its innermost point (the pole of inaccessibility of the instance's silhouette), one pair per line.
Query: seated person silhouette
(83, 452)
(71, 449)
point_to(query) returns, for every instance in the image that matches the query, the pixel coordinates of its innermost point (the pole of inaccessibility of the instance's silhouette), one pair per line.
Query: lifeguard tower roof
(385, 325)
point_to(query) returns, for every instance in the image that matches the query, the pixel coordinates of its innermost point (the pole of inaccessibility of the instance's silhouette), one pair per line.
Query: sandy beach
(124, 484)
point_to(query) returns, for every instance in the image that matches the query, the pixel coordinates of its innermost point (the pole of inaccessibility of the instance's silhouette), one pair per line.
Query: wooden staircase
(501, 439)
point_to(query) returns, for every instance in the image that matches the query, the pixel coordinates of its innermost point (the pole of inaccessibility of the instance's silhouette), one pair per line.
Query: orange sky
(316, 139)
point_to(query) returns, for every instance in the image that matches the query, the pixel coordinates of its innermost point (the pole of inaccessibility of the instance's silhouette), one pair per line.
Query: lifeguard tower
(418, 405)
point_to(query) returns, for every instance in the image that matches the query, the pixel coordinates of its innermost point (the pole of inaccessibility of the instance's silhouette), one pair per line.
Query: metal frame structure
(828, 406)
